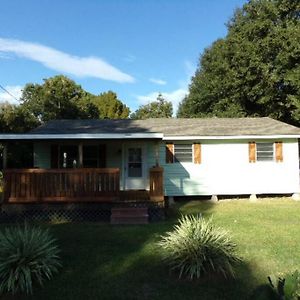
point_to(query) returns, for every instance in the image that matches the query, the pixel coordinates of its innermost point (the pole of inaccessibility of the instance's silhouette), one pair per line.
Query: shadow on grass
(184, 206)
(123, 262)
(263, 292)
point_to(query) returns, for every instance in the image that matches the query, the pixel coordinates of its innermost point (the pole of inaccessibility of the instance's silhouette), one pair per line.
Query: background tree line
(254, 70)
(61, 98)
(58, 98)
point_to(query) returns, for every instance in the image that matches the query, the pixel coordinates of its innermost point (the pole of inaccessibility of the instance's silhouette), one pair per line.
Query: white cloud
(15, 91)
(64, 62)
(174, 96)
(158, 81)
(4, 55)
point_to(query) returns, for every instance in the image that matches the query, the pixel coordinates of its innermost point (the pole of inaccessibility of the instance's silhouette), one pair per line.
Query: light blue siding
(225, 170)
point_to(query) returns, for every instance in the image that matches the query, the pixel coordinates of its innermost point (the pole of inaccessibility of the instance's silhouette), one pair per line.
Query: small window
(90, 156)
(264, 151)
(135, 162)
(183, 152)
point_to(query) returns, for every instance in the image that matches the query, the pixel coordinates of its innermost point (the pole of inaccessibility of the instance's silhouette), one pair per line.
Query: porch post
(4, 156)
(80, 154)
(123, 171)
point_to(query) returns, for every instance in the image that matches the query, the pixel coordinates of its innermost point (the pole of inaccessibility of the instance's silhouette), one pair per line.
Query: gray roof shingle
(173, 127)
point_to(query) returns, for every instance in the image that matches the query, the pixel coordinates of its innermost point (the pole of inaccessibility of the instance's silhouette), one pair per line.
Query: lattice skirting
(76, 212)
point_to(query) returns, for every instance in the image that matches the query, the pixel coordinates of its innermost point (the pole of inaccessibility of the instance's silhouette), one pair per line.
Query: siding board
(225, 170)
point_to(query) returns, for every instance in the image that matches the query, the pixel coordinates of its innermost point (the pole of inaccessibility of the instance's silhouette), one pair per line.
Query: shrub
(196, 247)
(286, 286)
(28, 255)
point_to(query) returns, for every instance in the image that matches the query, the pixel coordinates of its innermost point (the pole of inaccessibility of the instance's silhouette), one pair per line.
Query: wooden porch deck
(76, 186)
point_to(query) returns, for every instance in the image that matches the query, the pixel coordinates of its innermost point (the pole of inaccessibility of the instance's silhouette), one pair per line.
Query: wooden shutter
(169, 153)
(197, 153)
(102, 156)
(252, 152)
(278, 152)
(54, 157)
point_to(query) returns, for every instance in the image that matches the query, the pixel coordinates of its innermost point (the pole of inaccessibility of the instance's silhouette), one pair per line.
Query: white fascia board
(83, 136)
(230, 137)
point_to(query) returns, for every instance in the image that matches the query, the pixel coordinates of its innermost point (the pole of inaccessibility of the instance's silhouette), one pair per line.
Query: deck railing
(46, 185)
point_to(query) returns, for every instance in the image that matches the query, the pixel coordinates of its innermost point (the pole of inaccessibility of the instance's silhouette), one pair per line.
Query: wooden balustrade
(66, 185)
(156, 184)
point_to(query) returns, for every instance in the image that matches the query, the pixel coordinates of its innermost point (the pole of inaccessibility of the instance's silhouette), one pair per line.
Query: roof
(172, 127)
(166, 129)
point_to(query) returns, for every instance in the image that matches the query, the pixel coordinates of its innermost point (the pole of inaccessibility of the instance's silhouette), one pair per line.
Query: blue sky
(135, 48)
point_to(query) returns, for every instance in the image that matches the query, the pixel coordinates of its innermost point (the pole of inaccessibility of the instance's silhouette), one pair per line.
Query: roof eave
(82, 136)
(230, 137)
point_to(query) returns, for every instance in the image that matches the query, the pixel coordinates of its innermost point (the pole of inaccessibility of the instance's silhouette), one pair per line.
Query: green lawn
(123, 262)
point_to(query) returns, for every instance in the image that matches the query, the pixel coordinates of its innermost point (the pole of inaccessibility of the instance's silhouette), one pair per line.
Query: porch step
(134, 195)
(129, 215)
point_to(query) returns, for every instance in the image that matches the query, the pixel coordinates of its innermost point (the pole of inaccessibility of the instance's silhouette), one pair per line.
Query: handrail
(38, 185)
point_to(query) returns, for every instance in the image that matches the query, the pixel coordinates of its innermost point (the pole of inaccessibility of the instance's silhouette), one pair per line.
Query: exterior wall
(225, 170)
(115, 156)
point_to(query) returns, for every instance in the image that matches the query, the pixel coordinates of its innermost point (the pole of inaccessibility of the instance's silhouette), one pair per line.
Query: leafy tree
(56, 98)
(16, 119)
(110, 107)
(255, 69)
(61, 98)
(156, 109)
(88, 109)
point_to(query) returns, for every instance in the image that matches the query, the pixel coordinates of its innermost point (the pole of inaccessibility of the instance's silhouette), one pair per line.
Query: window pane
(135, 154)
(134, 170)
(90, 151)
(68, 156)
(183, 152)
(90, 156)
(265, 151)
(135, 162)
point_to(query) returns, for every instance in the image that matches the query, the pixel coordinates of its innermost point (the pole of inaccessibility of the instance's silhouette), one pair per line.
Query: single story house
(97, 160)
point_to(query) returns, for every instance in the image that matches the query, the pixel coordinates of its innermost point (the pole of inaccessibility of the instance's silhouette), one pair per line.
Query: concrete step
(129, 215)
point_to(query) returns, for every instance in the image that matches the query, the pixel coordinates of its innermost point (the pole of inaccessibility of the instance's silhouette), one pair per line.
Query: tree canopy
(156, 109)
(58, 98)
(254, 70)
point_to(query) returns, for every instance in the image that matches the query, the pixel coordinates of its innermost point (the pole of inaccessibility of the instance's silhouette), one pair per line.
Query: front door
(135, 167)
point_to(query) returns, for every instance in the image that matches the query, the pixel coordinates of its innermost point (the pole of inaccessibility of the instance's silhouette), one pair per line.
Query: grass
(101, 261)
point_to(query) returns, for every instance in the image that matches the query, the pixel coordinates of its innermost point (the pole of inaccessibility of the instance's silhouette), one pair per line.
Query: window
(90, 156)
(183, 152)
(264, 151)
(135, 162)
(68, 157)
(94, 156)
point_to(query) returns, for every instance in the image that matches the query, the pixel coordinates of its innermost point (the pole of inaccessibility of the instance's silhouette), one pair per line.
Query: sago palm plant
(28, 255)
(196, 247)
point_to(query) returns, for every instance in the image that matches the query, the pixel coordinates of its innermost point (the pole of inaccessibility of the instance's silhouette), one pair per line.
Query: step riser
(129, 221)
(131, 215)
